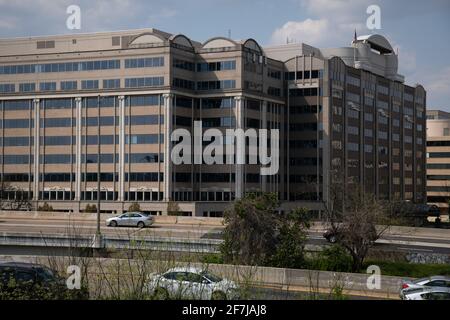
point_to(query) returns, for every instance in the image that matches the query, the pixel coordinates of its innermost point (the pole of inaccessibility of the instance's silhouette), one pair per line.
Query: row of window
(61, 67)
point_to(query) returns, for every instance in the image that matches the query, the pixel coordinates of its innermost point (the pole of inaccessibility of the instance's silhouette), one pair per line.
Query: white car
(426, 293)
(431, 288)
(434, 281)
(131, 219)
(191, 283)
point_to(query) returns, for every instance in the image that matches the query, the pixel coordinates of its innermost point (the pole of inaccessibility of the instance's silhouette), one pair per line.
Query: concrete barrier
(276, 278)
(196, 221)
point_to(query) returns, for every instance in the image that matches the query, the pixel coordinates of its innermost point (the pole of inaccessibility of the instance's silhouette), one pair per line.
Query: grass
(413, 270)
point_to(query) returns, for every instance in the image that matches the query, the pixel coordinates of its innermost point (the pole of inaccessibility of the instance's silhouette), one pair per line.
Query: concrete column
(121, 148)
(264, 126)
(78, 149)
(240, 116)
(168, 125)
(37, 127)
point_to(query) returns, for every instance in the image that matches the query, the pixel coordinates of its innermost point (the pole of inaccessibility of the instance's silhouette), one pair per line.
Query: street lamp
(98, 241)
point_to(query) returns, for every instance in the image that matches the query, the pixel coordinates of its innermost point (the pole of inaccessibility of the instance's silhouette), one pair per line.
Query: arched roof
(147, 37)
(253, 44)
(181, 39)
(219, 42)
(378, 42)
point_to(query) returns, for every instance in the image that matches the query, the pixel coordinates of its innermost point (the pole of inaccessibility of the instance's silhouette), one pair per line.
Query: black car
(334, 235)
(31, 281)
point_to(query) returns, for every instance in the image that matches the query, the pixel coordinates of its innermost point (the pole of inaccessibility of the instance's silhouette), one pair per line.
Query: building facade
(438, 158)
(344, 110)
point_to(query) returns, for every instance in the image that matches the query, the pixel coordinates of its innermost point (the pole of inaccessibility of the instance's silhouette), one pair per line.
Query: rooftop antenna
(355, 38)
(229, 33)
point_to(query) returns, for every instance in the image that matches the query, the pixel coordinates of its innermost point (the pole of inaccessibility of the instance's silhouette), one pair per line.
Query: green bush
(212, 258)
(334, 258)
(45, 207)
(134, 207)
(413, 270)
(90, 208)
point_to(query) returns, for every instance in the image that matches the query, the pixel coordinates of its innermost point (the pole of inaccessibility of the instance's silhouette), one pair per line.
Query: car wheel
(332, 239)
(218, 295)
(113, 223)
(161, 294)
(141, 224)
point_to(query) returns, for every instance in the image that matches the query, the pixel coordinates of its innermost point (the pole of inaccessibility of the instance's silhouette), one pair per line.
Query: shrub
(334, 258)
(134, 207)
(45, 207)
(90, 208)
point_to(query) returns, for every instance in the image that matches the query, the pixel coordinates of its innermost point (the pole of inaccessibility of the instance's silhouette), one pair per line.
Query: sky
(419, 30)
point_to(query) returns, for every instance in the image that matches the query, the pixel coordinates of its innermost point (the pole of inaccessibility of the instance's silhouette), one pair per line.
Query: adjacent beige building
(438, 158)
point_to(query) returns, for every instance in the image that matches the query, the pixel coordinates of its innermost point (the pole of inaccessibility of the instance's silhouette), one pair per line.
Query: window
(16, 159)
(353, 130)
(69, 85)
(368, 117)
(57, 140)
(216, 85)
(56, 159)
(218, 103)
(89, 84)
(183, 64)
(144, 62)
(183, 83)
(144, 158)
(27, 87)
(143, 138)
(382, 135)
(368, 133)
(16, 123)
(144, 82)
(216, 66)
(353, 146)
(47, 86)
(111, 84)
(353, 80)
(57, 122)
(11, 105)
(57, 104)
(138, 101)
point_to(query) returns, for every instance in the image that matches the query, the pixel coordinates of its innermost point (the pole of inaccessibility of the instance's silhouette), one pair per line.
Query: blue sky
(419, 29)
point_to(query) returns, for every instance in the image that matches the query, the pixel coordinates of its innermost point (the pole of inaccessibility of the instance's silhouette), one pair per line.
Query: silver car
(426, 293)
(434, 281)
(131, 219)
(191, 283)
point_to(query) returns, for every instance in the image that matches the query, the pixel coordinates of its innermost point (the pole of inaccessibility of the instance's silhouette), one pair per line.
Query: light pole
(98, 241)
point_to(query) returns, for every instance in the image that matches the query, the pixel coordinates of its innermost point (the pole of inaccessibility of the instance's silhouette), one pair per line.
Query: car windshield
(211, 277)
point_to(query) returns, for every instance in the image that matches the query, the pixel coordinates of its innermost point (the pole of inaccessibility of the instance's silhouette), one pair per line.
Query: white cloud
(332, 23)
(308, 31)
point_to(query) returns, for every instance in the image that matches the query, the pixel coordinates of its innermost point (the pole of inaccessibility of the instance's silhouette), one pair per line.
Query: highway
(426, 240)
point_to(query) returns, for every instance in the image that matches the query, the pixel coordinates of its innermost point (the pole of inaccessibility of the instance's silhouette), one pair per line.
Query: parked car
(33, 281)
(131, 219)
(434, 281)
(334, 235)
(191, 283)
(426, 293)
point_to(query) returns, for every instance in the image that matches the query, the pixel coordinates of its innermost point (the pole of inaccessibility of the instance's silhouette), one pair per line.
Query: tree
(173, 209)
(357, 221)
(256, 234)
(250, 230)
(289, 252)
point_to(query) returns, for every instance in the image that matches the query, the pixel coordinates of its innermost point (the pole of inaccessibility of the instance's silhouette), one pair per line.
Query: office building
(343, 110)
